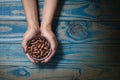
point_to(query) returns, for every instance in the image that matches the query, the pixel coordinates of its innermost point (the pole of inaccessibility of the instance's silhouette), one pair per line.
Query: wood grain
(30, 73)
(90, 10)
(71, 62)
(36, 73)
(66, 31)
(88, 36)
(66, 54)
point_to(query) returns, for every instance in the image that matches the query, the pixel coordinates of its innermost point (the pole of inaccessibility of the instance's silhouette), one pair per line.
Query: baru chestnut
(38, 48)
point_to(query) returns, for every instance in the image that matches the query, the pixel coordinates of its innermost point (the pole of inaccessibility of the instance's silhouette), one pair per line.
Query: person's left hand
(49, 35)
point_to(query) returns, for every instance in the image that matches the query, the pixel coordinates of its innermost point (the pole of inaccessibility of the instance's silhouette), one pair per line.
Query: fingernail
(36, 61)
(42, 61)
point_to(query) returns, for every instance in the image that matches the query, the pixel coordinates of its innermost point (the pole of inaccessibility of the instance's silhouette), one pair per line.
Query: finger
(52, 52)
(42, 61)
(24, 46)
(36, 61)
(53, 44)
(28, 56)
(48, 58)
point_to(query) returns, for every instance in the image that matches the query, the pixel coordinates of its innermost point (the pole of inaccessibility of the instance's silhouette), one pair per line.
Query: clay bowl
(38, 48)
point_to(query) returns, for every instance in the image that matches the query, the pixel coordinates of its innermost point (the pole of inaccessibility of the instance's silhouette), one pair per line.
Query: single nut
(38, 48)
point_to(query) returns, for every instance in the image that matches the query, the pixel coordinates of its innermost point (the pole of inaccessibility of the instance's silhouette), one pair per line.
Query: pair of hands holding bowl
(40, 31)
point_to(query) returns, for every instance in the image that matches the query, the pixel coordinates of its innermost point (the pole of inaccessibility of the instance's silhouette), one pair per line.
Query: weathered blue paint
(88, 36)
(20, 72)
(91, 10)
(66, 32)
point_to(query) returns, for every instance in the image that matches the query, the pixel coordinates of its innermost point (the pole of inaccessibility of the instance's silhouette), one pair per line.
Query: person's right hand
(29, 34)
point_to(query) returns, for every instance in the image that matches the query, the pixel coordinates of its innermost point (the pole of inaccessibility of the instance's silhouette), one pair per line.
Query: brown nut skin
(38, 48)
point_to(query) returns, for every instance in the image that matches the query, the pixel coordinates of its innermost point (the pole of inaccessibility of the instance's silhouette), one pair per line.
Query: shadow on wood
(55, 25)
(53, 63)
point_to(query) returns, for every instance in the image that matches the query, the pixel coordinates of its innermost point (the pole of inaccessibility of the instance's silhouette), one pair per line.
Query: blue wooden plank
(71, 62)
(90, 46)
(66, 31)
(28, 73)
(36, 73)
(67, 54)
(72, 10)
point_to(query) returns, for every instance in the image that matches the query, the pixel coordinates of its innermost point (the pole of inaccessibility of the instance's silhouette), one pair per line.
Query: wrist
(32, 23)
(45, 26)
(34, 27)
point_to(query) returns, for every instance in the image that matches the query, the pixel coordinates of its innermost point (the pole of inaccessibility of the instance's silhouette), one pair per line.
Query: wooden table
(88, 33)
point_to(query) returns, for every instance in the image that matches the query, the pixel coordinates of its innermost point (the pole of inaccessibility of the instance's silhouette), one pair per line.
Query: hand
(29, 34)
(49, 35)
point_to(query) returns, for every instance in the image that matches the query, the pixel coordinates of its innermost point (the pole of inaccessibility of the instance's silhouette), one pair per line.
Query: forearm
(30, 9)
(48, 12)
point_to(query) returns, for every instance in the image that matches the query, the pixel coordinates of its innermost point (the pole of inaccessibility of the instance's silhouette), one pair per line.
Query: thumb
(53, 43)
(24, 46)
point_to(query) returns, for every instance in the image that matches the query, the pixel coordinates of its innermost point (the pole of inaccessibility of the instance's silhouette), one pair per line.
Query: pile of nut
(38, 47)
